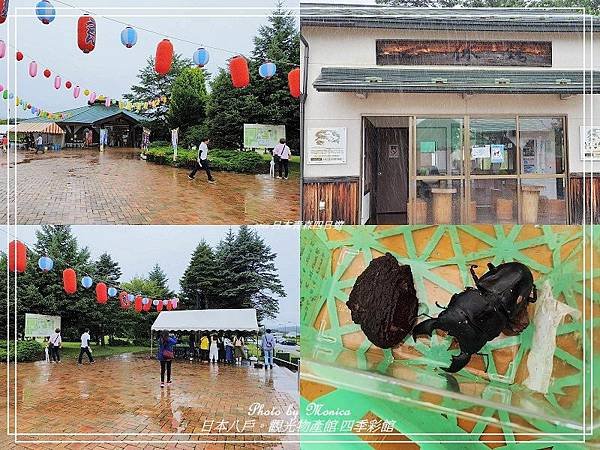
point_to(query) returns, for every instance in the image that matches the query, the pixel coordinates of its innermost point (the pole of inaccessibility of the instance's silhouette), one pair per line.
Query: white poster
(326, 146)
(482, 151)
(497, 152)
(590, 142)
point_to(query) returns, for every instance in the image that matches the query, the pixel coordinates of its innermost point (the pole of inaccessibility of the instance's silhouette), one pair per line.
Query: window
(541, 140)
(493, 146)
(439, 147)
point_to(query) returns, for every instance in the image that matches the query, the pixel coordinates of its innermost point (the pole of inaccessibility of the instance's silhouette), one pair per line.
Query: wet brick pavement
(122, 395)
(116, 187)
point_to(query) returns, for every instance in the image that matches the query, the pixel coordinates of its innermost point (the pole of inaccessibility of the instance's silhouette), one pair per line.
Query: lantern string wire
(109, 284)
(175, 38)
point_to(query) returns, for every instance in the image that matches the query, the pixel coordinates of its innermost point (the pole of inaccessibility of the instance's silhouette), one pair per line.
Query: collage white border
(584, 432)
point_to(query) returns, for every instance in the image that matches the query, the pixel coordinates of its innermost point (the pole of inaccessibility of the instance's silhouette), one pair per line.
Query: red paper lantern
(159, 307)
(101, 293)
(123, 300)
(138, 303)
(19, 56)
(3, 10)
(86, 33)
(17, 256)
(68, 85)
(240, 74)
(169, 305)
(69, 281)
(47, 73)
(294, 82)
(164, 57)
(147, 306)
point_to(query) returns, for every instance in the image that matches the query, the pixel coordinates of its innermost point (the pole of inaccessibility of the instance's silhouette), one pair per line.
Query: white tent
(207, 320)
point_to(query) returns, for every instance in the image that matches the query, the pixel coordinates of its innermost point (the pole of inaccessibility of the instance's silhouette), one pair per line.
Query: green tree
(199, 283)
(151, 86)
(591, 6)
(111, 322)
(187, 106)
(247, 273)
(159, 278)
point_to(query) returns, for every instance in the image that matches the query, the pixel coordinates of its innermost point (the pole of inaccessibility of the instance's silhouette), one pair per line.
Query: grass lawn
(71, 350)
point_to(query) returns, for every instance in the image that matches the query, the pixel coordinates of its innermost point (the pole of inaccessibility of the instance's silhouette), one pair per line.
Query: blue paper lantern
(201, 57)
(145, 301)
(45, 11)
(112, 292)
(86, 282)
(267, 70)
(128, 37)
(45, 263)
(130, 297)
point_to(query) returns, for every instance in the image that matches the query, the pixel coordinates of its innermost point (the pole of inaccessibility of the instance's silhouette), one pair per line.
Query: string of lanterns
(17, 262)
(86, 41)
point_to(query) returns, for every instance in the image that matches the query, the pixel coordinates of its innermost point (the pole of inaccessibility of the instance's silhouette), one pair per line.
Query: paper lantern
(5, 95)
(33, 69)
(87, 282)
(112, 292)
(159, 306)
(107, 102)
(86, 33)
(2, 48)
(128, 37)
(169, 305)
(147, 305)
(86, 92)
(239, 72)
(57, 82)
(1, 87)
(47, 73)
(76, 91)
(3, 10)
(294, 82)
(124, 300)
(174, 302)
(45, 263)
(19, 56)
(155, 302)
(164, 57)
(68, 84)
(201, 57)
(17, 256)
(45, 11)
(101, 293)
(137, 305)
(69, 281)
(267, 70)
(92, 97)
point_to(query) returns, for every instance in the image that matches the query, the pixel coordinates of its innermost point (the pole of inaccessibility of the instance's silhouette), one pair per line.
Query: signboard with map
(40, 325)
(262, 136)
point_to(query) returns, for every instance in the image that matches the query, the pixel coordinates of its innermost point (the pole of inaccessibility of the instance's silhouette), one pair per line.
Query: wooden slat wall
(340, 196)
(592, 198)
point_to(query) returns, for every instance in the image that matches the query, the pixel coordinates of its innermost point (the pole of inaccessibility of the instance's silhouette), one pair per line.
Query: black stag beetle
(477, 315)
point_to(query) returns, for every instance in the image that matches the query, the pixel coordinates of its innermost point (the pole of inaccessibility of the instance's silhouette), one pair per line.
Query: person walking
(281, 154)
(202, 161)
(85, 347)
(204, 348)
(165, 354)
(47, 348)
(54, 344)
(39, 147)
(238, 353)
(213, 356)
(268, 346)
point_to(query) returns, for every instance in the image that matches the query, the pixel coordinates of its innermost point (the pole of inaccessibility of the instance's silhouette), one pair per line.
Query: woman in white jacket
(213, 355)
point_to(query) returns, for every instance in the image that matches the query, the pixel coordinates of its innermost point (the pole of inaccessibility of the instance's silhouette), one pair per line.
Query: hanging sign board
(40, 325)
(326, 146)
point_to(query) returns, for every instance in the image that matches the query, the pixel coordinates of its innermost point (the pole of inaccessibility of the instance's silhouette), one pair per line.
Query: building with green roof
(124, 126)
(449, 115)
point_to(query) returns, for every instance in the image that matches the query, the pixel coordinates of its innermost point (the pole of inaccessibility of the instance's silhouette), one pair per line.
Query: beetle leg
(533, 297)
(473, 274)
(491, 267)
(425, 327)
(458, 362)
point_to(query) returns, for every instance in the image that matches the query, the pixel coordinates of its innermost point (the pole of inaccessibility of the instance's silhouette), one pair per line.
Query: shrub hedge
(220, 160)
(26, 351)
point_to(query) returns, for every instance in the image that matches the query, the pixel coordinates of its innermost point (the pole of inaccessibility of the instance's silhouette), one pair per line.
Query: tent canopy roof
(38, 127)
(207, 320)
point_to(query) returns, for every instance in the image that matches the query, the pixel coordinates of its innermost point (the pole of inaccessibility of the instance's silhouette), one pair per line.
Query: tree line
(239, 272)
(204, 105)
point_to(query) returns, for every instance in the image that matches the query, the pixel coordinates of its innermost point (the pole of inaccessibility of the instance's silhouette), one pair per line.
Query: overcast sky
(138, 248)
(112, 68)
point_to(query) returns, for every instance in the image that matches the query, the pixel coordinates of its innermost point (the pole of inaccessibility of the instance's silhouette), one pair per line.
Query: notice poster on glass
(326, 146)
(497, 153)
(481, 151)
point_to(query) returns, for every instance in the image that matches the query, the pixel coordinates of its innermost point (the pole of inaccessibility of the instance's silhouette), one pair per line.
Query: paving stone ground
(123, 395)
(116, 187)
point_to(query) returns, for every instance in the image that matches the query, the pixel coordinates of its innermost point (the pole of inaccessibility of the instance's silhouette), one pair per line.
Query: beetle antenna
(440, 306)
(426, 315)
